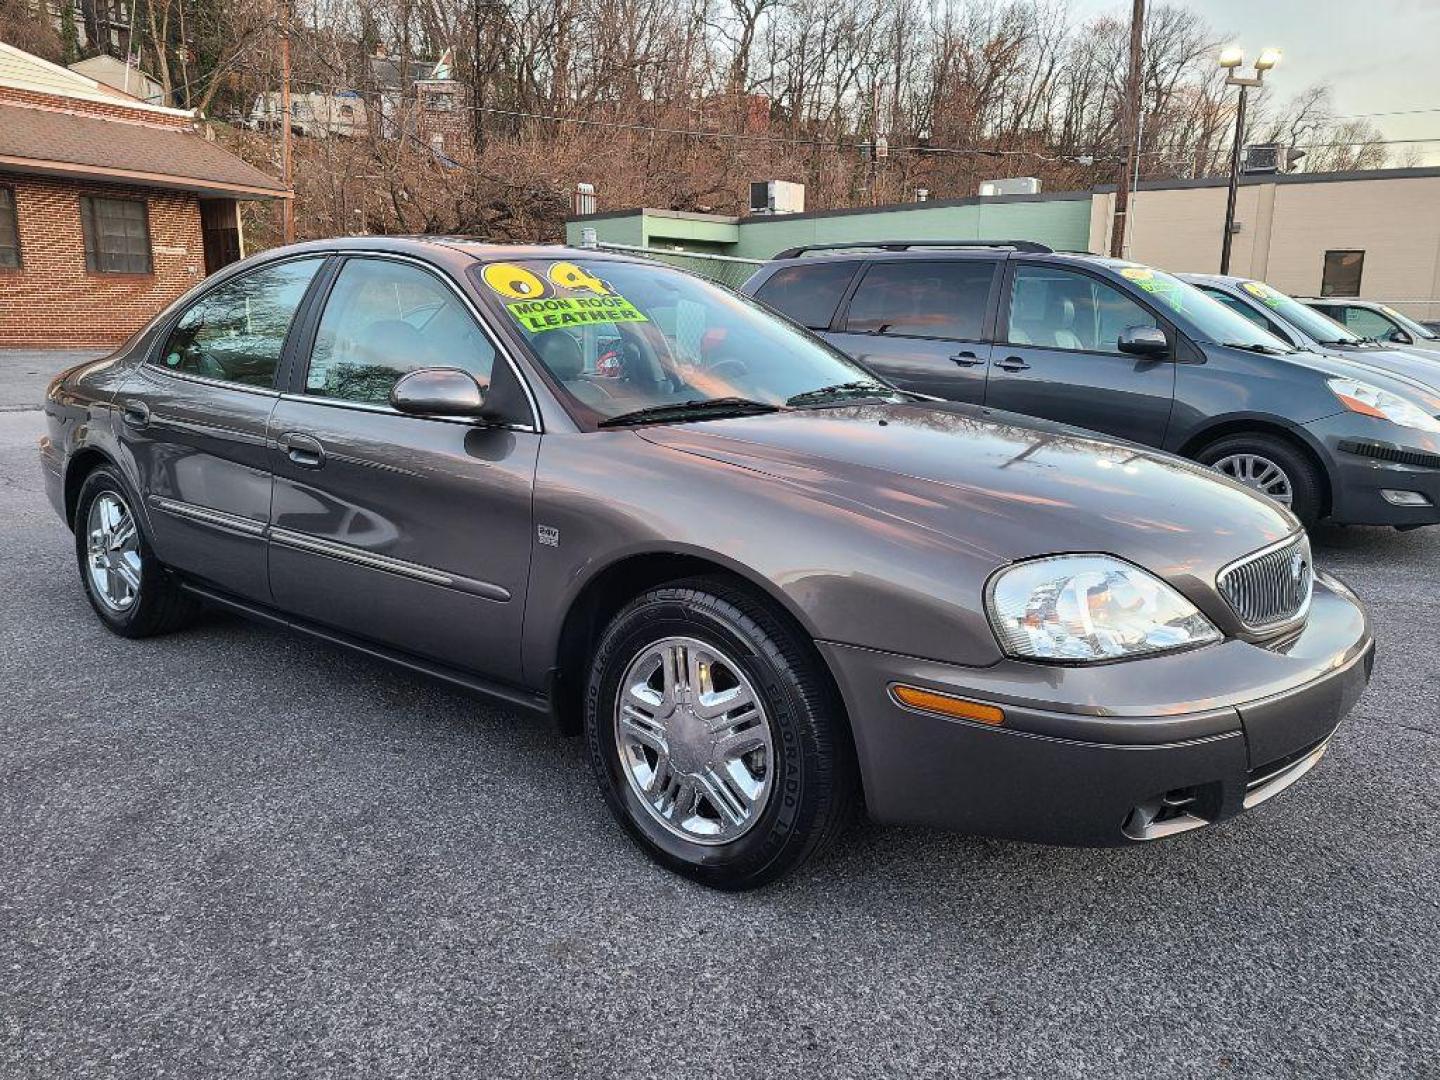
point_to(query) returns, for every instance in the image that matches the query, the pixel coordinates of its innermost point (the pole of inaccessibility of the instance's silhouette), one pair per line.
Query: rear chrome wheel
(1260, 473)
(112, 544)
(130, 590)
(694, 740)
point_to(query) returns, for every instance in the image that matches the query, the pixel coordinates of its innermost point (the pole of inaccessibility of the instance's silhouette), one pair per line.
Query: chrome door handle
(966, 359)
(135, 414)
(1013, 363)
(303, 450)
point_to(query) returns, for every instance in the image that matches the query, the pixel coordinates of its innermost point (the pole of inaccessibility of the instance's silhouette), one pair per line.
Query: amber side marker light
(945, 705)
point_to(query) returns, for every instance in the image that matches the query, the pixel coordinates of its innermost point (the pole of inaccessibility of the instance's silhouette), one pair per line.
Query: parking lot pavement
(235, 853)
(24, 373)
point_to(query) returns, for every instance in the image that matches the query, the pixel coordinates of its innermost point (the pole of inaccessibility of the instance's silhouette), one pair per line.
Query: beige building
(1372, 234)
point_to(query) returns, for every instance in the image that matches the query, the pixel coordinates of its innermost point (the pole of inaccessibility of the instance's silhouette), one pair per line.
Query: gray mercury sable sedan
(768, 588)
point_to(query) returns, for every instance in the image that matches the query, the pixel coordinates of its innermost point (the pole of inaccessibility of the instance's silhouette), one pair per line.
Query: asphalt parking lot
(235, 853)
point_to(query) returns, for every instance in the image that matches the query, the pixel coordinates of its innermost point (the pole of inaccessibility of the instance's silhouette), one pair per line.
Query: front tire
(716, 736)
(1272, 466)
(125, 583)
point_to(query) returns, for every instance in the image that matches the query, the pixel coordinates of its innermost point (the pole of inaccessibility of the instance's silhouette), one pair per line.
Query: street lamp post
(1231, 59)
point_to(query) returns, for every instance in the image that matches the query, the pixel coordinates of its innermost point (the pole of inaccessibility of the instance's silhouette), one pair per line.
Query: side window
(808, 294)
(1341, 273)
(384, 319)
(1239, 306)
(9, 229)
(1368, 323)
(923, 299)
(236, 332)
(117, 235)
(1060, 309)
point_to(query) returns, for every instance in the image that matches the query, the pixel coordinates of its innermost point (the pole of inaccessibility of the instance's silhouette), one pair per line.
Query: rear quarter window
(808, 295)
(923, 299)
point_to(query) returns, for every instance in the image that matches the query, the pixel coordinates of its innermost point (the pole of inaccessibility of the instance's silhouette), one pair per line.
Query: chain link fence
(727, 270)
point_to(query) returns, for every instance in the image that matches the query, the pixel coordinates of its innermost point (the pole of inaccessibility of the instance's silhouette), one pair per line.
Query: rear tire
(1269, 464)
(738, 809)
(130, 590)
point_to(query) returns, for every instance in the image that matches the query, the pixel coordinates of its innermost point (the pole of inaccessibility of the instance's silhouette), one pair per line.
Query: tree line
(679, 104)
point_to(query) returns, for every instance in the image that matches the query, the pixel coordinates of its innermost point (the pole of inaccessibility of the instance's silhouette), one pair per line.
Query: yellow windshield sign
(567, 295)
(558, 312)
(1163, 289)
(1264, 293)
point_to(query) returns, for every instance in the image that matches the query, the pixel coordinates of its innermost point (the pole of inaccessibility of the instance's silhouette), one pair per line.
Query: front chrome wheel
(113, 552)
(694, 740)
(1260, 473)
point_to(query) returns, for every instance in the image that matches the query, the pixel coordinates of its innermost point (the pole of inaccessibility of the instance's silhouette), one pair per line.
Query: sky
(1377, 55)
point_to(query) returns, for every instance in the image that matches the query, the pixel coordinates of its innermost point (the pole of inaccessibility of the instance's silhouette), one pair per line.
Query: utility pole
(477, 92)
(285, 127)
(1132, 125)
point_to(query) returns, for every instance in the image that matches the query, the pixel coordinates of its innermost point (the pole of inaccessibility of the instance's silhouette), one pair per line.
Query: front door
(193, 420)
(921, 324)
(410, 531)
(1059, 357)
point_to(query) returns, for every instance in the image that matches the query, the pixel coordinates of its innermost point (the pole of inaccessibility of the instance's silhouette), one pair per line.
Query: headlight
(1372, 401)
(1090, 607)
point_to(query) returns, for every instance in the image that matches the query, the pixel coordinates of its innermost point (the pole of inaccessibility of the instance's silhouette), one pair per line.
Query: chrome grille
(1271, 587)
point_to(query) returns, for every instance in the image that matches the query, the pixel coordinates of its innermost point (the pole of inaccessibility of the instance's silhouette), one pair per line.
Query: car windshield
(1408, 324)
(644, 343)
(1215, 322)
(1306, 319)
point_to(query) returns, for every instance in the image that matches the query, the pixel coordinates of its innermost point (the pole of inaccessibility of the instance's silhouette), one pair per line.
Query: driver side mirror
(1400, 337)
(438, 392)
(1147, 341)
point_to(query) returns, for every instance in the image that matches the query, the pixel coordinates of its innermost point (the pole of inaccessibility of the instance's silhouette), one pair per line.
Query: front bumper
(1366, 460)
(1113, 753)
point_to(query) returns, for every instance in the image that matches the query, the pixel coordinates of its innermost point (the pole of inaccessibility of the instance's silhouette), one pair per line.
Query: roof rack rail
(1029, 246)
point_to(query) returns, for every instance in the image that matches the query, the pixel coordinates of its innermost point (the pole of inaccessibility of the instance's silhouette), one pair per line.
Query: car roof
(1216, 279)
(483, 250)
(932, 251)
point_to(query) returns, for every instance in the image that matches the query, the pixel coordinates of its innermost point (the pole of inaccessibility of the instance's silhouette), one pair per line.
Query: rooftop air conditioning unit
(1013, 185)
(1264, 158)
(584, 199)
(777, 197)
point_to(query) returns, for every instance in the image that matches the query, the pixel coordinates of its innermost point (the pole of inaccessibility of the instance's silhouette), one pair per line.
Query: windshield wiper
(1267, 350)
(695, 409)
(854, 388)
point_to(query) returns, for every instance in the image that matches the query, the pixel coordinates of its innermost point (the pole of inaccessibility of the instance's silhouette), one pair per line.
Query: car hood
(999, 486)
(1418, 371)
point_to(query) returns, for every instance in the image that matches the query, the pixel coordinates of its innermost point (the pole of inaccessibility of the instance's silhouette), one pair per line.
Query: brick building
(109, 207)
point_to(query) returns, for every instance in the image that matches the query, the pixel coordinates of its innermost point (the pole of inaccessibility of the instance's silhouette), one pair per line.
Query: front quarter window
(620, 337)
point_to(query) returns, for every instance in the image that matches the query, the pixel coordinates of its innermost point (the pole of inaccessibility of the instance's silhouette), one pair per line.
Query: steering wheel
(727, 365)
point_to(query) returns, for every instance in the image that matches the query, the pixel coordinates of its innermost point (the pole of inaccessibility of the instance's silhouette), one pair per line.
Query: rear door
(1060, 359)
(193, 419)
(408, 530)
(923, 324)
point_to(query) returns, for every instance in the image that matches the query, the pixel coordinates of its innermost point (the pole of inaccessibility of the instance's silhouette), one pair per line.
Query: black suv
(1130, 351)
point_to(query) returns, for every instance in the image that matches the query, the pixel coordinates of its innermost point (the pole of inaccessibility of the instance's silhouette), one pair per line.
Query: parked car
(1303, 327)
(1371, 319)
(1127, 351)
(767, 587)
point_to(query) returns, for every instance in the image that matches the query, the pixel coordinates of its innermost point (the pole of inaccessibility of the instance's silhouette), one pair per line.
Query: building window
(117, 235)
(1342, 273)
(9, 229)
